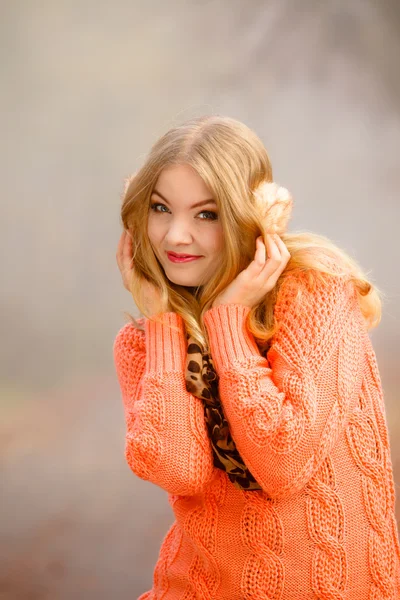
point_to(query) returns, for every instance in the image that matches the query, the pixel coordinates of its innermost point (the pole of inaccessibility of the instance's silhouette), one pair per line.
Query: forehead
(182, 182)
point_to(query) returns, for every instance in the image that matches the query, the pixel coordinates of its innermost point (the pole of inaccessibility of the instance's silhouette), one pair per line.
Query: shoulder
(314, 295)
(313, 312)
(130, 338)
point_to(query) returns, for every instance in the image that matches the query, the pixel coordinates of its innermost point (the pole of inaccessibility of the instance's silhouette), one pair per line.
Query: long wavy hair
(233, 162)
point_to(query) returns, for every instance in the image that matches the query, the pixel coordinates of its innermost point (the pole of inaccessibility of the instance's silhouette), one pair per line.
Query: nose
(178, 233)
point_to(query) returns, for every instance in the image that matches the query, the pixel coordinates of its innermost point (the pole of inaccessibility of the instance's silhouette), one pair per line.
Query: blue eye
(154, 206)
(212, 216)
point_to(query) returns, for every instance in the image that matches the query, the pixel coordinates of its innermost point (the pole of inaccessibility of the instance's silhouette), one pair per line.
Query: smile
(181, 259)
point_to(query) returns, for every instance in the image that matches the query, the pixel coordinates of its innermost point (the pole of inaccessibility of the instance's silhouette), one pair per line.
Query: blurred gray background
(86, 88)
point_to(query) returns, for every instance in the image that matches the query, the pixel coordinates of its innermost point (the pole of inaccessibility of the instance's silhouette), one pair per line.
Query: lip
(181, 258)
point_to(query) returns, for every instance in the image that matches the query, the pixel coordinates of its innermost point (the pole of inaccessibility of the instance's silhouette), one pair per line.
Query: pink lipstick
(181, 258)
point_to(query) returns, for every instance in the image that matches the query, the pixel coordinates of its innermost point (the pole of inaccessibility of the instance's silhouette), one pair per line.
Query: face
(184, 220)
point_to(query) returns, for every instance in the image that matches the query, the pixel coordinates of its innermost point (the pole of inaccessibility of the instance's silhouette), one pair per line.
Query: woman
(251, 389)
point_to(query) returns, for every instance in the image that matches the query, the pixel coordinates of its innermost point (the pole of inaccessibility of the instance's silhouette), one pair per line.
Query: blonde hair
(233, 162)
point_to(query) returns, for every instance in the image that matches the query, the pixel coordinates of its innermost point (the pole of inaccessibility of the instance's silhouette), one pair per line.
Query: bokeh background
(86, 88)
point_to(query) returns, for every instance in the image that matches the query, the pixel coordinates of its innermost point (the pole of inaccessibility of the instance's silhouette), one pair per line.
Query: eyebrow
(201, 203)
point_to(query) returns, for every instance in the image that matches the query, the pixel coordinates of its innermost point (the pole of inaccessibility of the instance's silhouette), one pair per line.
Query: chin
(185, 280)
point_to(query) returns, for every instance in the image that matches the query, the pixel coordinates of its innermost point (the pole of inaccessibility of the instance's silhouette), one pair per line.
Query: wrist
(232, 301)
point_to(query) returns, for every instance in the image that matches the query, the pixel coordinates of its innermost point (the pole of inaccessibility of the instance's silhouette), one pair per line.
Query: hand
(260, 277)
(125, 258)
(150, 294)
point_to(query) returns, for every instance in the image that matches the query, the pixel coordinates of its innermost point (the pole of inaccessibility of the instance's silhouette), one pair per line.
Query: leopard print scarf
(202, 381)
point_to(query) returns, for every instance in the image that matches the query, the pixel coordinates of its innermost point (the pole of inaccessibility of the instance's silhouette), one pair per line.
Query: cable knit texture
(308, 419)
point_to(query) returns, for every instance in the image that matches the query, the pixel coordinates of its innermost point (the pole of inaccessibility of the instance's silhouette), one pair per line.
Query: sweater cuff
(165, 343)
(230, 339)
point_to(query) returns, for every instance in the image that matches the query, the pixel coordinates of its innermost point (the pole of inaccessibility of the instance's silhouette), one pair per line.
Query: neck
(193, 289)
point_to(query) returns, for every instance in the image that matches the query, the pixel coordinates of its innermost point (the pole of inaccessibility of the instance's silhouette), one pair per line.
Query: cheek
(153, 238)
(216, 240)
(152, 231)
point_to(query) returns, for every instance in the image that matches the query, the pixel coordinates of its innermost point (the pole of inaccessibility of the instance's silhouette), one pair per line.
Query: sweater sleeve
(166, 436)
(287, 409)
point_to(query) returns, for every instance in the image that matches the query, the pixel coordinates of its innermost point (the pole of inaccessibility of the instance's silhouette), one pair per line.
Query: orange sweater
(309, 421)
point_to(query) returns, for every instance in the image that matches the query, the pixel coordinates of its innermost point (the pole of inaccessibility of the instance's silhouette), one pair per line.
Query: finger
(261, 254)
(127, 249)
(280, 257)
(282, 246)
(120, 246)
(266, 259)
(258, 262)
(121, 241)
(275, 258)
(273, 250)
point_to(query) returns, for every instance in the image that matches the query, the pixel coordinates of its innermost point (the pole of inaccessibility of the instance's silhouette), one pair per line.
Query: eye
(210, 214)
(213, 214)
(154, 206)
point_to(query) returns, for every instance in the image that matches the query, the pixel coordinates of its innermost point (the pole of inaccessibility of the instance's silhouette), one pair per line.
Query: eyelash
(211, 212)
